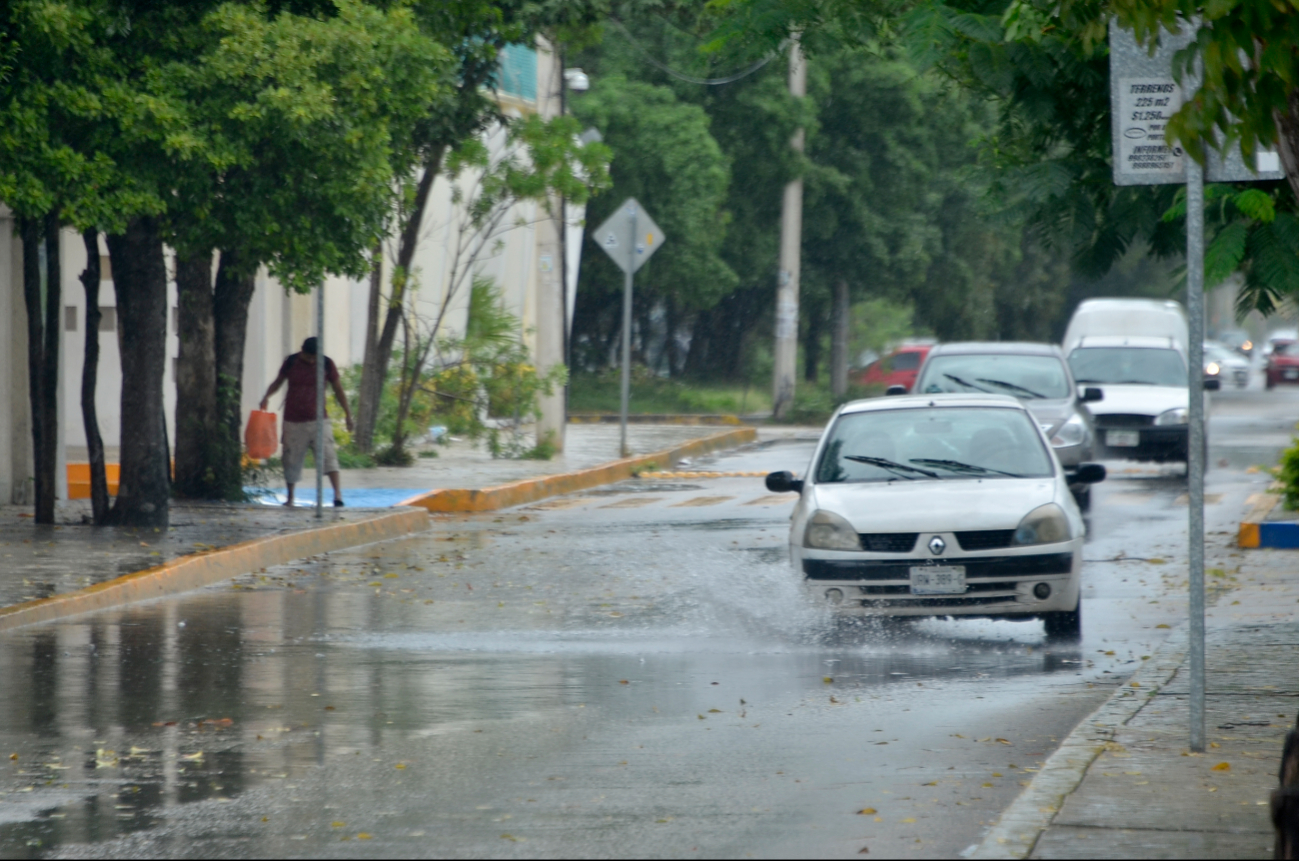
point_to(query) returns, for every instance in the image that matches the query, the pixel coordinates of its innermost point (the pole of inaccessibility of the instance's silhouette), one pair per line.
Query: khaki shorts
(297, 438)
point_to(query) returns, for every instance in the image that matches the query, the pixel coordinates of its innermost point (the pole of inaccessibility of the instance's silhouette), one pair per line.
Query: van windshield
(1143, 366)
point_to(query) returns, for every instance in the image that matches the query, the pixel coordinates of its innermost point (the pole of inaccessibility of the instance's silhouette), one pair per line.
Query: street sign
(1143, 96)
(629, 236)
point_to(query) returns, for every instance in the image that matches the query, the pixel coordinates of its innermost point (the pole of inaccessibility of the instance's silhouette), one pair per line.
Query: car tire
(1082, 494)
(1064, 626)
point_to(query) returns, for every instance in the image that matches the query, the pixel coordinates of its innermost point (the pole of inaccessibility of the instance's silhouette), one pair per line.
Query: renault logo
(937, 545)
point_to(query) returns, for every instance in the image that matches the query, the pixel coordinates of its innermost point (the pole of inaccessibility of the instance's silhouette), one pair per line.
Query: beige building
(522, 258)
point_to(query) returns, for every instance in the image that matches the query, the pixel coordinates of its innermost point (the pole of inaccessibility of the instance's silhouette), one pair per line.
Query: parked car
(1145, 409)
(1280, 336)
(1282, 363)
(1158, 318)
(898, 368)
(1039, 377)
(1224, 363)
(939, 505)
(1237, 340)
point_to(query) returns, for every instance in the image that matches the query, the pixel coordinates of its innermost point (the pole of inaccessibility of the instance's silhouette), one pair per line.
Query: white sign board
(1143, 96)
(629, 236)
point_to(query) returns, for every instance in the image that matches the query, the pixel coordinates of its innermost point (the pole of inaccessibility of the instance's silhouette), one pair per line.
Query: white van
(1146, 318)
(1135, 351)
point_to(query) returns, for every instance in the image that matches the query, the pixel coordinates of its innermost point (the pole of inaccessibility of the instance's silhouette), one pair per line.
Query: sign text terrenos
(1145, 106)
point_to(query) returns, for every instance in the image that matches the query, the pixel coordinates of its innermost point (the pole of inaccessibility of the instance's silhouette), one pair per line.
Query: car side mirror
(784, 482)
(1091, 394)
(896, 389)
(1090, 473)
(1213, 385)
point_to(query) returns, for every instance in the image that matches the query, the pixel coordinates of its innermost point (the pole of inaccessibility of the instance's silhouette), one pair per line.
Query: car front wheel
(1064, 627)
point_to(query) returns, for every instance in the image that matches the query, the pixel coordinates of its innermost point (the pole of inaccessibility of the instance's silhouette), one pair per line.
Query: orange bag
(260, 437)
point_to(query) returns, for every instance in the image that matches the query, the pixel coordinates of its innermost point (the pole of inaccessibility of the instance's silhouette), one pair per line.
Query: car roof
(1147, 341)
(902, 402)
(1115, 304)
(912, 348)
(1000, 348)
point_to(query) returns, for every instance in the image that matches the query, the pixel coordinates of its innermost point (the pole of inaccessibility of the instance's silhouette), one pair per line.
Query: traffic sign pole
(626, 338)
(1196, 449)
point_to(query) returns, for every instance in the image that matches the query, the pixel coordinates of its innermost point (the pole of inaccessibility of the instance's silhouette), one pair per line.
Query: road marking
(634, 502)
(702, 500)
(780, 499)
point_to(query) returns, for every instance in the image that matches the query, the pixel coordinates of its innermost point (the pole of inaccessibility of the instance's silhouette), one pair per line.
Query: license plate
(1122, 439)
(1292, 374)
(938, 580)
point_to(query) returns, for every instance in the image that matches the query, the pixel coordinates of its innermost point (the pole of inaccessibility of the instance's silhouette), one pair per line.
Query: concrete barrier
(213, 566)
(1257, 531)
(532, 489)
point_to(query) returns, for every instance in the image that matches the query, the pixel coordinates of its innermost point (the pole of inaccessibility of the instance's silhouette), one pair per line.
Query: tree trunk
(90, 278)
(1287, 127)
(400, 279)
(36, 393)
(49, 462)
(367, 401)
(839, 340)
(140, 280)
(812, 343)
(196, 408)
(230, 301)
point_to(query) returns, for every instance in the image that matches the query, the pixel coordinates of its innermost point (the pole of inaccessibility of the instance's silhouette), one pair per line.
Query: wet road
(624, 673)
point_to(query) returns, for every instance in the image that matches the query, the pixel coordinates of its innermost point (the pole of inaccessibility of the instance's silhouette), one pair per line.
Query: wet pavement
(626, 672)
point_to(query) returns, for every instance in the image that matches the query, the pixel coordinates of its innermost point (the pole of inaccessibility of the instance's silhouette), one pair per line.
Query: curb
(1257, 531)
(651, 419)
(201, 569)
(532, 489)
(1016, 831)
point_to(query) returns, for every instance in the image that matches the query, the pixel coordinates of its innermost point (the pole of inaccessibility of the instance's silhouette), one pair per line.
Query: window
(1004, 373)
(518, 73)
(1142, 366)
(905, 361)
(107, 318)
(69, 318)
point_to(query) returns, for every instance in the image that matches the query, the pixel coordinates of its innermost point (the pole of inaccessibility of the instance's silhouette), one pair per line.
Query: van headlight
(1172, 417)
(1070, 433)
(828, 531)
(1046, 524)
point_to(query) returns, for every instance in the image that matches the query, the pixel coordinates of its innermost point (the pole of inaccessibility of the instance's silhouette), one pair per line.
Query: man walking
(299, 371)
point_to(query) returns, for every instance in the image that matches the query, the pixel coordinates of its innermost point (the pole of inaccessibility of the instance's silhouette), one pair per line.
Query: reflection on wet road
(583, 677)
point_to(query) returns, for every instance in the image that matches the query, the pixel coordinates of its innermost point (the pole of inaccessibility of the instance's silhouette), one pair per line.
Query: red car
(899, 368)
(1283, 363)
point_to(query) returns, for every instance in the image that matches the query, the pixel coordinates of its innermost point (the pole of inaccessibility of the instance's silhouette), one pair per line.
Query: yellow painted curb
(651, 418)
(202, 569)
(1261, 504)
(532, 489)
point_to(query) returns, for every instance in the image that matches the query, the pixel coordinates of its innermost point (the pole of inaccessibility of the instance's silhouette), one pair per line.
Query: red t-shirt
(300, 402)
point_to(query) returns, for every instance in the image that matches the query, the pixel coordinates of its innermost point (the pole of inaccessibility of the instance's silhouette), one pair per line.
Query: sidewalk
(41, 561)
(1146, 795)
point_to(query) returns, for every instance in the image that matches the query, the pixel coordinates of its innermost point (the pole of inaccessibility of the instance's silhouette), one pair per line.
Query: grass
(651, 395)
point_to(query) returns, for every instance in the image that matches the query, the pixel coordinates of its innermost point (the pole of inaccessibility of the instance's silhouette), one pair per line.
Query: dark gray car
(1037, 375)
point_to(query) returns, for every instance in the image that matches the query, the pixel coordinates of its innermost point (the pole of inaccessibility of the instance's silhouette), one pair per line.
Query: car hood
(1049, 412)
(1139, 400)
(935, 506)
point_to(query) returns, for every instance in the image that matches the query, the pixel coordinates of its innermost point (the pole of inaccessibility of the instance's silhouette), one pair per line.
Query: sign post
(320, 401)
(629, 237)
(1143, 96)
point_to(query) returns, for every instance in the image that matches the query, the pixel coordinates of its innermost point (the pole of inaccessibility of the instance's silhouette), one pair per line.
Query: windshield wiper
(1012, 387)
(884, 463)
(966, 383)
(958, 466)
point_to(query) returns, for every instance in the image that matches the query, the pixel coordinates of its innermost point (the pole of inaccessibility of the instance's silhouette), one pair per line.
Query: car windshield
(1145, 366)
(1026, 377)
(925, 444)
(1283, 348)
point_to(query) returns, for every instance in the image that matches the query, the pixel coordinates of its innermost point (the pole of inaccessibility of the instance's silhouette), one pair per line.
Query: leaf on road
(363, 836)
(623, 682)
(337, 824)
(1161, 625)
(908, 820)
(1002, 741)
(193, 757)
(714, 711)
(1222, 766)
(400, 765)
(866, 811)
(827, 679)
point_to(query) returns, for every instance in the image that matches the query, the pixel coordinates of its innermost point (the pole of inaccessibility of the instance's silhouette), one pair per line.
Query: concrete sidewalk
(1143, 794)
(38, 562)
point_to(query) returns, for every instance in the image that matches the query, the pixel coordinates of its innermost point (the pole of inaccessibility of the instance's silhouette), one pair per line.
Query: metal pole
(791, 238)
(1195, 442)
(626, 336)
(320, 401)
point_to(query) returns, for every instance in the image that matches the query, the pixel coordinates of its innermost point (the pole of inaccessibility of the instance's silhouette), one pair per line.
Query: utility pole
(791, 237)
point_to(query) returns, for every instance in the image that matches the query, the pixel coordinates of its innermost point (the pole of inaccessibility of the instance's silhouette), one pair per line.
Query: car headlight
(1046, 524)
(1070, 433)
(1172, 417)
(1213, 369)
(828, 531)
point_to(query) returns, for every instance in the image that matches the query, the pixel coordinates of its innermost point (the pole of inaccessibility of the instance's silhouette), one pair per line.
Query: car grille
(981, 586)
(938, 601)
(985, 539)
(889, 542)
(1122, 420)
(975, 568)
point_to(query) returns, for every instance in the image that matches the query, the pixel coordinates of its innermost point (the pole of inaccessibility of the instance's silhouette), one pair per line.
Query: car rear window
(905, 361)
(1026, 377)
(928, 443)
(1128, 365)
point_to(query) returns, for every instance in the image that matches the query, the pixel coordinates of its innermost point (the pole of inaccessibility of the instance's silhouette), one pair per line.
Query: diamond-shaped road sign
(629, 236)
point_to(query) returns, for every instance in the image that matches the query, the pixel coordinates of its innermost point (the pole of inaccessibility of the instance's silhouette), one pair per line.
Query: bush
(1288, 472)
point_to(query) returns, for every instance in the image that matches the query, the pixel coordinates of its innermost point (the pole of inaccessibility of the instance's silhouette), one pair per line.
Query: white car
(940, 505)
